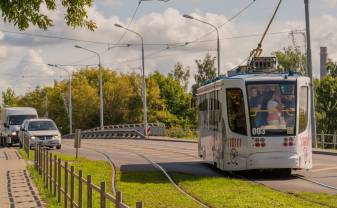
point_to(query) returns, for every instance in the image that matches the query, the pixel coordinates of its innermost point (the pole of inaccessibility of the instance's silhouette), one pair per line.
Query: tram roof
(253, 77)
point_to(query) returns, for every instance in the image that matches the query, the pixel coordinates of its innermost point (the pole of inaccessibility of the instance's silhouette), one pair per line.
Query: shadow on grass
(202, 170)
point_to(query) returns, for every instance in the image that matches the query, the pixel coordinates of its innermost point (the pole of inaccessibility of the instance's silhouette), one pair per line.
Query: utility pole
(101, 114)
(217, 33)
(143, 72)
(310, 71)
(70, 106)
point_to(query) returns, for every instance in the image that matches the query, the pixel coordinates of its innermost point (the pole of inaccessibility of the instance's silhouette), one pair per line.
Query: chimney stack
(324, 60)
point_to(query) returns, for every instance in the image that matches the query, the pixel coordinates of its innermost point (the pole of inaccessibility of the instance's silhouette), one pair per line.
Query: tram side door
(236, 122)
(304, 125)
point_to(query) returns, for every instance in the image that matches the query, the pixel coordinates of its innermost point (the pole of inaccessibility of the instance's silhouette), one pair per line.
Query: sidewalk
(16, 187)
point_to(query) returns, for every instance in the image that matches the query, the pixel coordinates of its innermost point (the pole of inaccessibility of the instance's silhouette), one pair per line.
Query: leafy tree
(9, 98)
(206, 71)
(332, 68)
(326, 105)
(291, 59)
(181, 74)
(22, 13)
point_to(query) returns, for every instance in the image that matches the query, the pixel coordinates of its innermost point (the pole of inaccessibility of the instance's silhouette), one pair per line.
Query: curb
(148, 139)
(325, 152)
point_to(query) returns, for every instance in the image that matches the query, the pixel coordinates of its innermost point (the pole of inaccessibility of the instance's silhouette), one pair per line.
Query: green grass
(223, 192)
(156, 192)
(99, 170)
(323, 198)
(153, 188)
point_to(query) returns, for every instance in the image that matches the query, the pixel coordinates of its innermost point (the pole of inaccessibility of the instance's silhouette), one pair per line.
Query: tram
(256, 118)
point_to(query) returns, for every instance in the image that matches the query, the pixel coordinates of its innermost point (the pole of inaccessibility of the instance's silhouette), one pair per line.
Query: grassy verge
(217, 192)
(99, 170)
(153, 188)
(322, 198)
(222, 192)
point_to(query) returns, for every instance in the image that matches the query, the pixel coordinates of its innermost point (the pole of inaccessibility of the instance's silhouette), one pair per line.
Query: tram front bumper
(273, 160)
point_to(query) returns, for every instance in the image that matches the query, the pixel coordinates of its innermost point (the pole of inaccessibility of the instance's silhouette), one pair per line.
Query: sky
(24, 58)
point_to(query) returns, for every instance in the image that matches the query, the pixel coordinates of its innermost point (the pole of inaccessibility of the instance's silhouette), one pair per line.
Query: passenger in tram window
(274, 111)
(254, 104)
(288, 102)
(264, 97)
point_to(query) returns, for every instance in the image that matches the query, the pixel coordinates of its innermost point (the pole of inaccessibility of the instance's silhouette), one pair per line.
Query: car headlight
(13, 133)
(57, 137)
(33, 137)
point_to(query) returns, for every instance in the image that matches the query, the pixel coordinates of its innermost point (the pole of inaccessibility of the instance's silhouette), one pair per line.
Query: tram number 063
(258, 131)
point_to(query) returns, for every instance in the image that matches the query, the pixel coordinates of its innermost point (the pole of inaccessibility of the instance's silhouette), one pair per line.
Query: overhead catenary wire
(119, 40)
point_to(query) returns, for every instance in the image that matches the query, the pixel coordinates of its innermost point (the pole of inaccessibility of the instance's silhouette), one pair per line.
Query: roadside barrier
(130, 131)
(60, 180)
(326, 141)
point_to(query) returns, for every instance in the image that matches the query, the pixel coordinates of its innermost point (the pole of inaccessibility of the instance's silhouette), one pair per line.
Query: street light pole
(218, 37)
(143, 71)
(310, 71)
(100, 84)
(70, 106)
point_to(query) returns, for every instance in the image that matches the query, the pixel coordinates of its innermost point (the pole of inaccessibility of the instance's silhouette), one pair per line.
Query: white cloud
(166, 27)
(329, 4)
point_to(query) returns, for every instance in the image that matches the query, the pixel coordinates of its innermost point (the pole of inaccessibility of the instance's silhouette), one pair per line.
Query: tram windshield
(272, 108)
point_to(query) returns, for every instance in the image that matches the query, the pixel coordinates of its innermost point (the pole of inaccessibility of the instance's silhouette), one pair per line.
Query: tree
(326, 105)
(181, 74)
(22, 13)
(9, 98)
(332, 68)
(206, 71)
(291, 59)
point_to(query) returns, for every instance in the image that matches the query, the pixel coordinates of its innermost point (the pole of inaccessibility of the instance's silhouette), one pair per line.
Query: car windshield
(18, 119)
(272, 108)
(41, 126)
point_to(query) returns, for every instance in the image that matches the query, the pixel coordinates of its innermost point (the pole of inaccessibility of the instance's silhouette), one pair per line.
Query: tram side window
(303, 118)
(236, 111)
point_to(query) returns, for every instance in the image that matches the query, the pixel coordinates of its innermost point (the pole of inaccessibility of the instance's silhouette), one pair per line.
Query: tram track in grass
(278, 199)
(297, 195)
(157, 166)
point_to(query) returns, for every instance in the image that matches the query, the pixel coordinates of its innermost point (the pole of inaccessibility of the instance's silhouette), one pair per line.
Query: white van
(10, 123)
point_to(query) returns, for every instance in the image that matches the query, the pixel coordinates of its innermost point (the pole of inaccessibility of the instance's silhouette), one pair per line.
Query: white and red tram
(256, 120)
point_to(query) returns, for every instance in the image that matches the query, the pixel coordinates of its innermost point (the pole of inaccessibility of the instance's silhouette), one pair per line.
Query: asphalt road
(182, 157)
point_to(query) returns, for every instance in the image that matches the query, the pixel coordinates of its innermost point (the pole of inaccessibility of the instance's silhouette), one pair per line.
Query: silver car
(41, 132)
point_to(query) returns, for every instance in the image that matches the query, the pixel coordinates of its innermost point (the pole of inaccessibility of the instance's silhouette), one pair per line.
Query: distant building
(324, 60)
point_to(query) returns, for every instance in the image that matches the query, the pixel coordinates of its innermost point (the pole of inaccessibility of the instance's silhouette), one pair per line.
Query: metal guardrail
(122, 131)
(326, 141)
(71, 188)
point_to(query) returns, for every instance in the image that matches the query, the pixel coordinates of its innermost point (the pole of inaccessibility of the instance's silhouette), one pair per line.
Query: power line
(120, 39)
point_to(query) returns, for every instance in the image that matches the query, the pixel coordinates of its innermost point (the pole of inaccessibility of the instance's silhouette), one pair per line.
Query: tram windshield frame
(272, 107)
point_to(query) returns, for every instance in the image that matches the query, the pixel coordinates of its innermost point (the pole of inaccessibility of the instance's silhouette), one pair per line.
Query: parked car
(41, 132)
(10, 122)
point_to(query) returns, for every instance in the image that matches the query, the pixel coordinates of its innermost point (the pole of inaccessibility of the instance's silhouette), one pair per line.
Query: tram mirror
(287, 89)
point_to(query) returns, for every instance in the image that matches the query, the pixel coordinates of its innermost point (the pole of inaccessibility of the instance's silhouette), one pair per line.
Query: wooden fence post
(80, 189)
(35, 158)
(47, 170)
(65, 184)
(103, 200)
(334, 140)
(40, 161)
(51, 173)
(43, 165)
(118, 199)
(59, 180)
(72, 186)
(55, 174)
(89, 192)
(139, 204)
